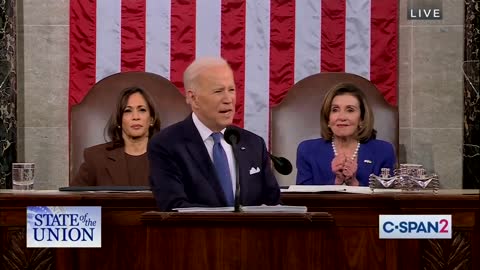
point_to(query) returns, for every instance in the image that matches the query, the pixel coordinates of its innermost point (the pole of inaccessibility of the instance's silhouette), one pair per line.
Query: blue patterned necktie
(221, 165)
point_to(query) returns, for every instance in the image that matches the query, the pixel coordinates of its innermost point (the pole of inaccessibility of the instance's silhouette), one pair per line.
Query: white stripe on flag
(157, 51)
(307, 38)
(208, 27)
(257, 71)
(108, 58)
(357, 37)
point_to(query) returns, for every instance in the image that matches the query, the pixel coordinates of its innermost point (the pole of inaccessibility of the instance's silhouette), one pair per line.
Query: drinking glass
(23, 176)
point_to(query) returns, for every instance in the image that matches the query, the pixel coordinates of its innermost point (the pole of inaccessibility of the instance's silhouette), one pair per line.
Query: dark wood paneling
(17, 256)
(356, 218)
(241, 241)
(124, 243)
(447, 254)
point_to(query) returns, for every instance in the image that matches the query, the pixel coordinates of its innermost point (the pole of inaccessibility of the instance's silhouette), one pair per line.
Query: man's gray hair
(197, 67)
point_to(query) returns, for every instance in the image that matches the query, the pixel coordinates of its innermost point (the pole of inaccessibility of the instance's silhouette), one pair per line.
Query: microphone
(281, 164)
(232, 137)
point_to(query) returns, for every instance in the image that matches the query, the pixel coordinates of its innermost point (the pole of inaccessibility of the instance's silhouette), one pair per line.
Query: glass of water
(23, 176)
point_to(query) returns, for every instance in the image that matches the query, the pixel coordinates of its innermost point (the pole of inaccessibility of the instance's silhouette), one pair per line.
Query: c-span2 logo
(415, 226)
(57, 226)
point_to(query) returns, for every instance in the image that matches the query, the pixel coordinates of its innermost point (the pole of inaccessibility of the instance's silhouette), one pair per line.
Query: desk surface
(444, 199)
(442, 193)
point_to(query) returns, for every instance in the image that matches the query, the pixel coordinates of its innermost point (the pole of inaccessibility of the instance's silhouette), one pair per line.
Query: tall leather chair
(89, 118)
(297, 118)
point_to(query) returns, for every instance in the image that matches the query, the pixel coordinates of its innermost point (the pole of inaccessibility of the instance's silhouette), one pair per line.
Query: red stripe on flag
(384, 54)
(282, 49)
(82, 48)
(133, 35)
(233, 49)
(333, 36)
(182, 50)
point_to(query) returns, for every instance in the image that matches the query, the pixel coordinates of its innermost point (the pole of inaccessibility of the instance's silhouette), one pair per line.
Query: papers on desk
(274, 209)
(203, 209)
(246, 209)
(367, 190)
(113, 189)
(327, 188)
(335, 189)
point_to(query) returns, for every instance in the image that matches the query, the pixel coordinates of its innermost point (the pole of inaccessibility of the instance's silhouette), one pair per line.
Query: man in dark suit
(191, 165)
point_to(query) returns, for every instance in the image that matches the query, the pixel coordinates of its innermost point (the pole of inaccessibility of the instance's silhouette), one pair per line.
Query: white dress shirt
(206, 133)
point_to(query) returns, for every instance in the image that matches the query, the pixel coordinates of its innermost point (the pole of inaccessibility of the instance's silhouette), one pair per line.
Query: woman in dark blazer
(348, 151)
(122, 161)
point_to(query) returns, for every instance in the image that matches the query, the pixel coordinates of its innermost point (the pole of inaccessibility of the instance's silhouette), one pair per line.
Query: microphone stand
(237, 182)
(233, 140)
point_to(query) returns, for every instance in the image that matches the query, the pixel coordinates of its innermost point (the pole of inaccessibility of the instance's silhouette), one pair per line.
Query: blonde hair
(365, 130)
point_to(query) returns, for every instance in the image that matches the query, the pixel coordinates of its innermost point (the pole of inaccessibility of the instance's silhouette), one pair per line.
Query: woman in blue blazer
(348, 151)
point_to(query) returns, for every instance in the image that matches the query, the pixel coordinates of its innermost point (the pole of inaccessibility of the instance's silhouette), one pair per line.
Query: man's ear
(189, 96)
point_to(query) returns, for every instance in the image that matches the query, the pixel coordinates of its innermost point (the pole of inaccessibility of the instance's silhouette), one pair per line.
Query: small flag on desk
(62, 227)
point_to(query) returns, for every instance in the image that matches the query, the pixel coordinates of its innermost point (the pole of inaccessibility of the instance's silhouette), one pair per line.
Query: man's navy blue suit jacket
(183, 175)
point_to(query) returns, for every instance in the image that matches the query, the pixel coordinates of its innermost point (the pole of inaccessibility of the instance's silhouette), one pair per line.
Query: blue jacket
(314, 160)
(183, 175)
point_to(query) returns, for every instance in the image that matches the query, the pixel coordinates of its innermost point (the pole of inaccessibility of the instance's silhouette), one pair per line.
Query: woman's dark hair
(114, 125)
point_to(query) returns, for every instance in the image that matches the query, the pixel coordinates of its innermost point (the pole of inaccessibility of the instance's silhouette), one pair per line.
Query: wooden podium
(285, 241)
(247, 241)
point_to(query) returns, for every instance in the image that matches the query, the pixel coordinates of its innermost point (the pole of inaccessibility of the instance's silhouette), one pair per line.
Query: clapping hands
(345, 170)
(338, 163)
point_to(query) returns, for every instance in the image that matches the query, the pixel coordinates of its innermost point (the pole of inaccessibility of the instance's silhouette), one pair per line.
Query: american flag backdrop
(270, 44)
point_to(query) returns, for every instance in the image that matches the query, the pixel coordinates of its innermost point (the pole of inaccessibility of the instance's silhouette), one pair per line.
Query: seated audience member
(348, 152)
(191, 165)
(122, 161)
